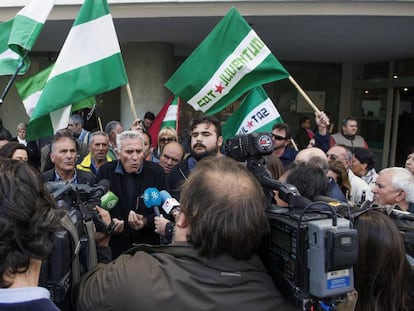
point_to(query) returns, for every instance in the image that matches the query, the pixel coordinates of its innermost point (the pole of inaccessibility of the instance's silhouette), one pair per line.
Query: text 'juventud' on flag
(249, 54)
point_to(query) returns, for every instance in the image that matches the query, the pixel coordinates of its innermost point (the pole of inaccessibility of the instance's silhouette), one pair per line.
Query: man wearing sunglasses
(281, 137)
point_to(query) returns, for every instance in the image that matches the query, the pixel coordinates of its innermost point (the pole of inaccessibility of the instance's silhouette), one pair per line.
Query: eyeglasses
(278, 137)
(167, 139)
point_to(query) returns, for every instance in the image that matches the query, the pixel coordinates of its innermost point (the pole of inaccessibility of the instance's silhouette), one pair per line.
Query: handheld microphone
(152, 199)
(109, 200)
(169, 203)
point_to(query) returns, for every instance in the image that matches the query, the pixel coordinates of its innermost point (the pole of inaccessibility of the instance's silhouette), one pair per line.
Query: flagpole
(13, 77)
(131, 101)
(305, 96)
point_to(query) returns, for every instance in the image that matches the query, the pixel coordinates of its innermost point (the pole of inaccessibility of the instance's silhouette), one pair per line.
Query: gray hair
(77, 119)
(125, 135)
(111, 125)
(402, 179)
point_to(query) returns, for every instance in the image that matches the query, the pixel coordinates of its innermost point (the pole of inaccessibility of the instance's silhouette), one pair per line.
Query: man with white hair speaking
(395, 186)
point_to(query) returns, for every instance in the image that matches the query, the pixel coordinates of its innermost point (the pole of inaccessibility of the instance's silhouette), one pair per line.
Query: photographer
(27, 226)
(212, 262)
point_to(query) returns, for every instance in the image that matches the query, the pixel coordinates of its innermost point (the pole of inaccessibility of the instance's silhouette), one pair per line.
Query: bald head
(306, 154)
(171, 154)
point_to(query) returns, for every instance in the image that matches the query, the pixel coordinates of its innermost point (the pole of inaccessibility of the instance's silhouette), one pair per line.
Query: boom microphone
(152, 199)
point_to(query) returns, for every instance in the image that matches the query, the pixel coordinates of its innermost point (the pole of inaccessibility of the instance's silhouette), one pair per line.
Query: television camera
(74, 246)
(311, 251)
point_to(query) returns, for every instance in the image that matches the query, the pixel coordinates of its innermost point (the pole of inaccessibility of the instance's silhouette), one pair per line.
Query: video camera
(74, 246)
(310, 252)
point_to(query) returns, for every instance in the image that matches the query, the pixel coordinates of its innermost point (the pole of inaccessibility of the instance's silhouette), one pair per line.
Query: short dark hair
(10, 148)
(365, 156)
(309, 179)
(27, 219)
(304, 119)
(222, 221)
(208, 120)
(149, 115)
(285, 127)
(346, 120)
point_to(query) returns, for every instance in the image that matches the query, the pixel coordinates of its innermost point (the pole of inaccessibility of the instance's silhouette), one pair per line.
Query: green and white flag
(89, 63)
(17, 36)
(30, 90)
(256, 113)
(231, 60)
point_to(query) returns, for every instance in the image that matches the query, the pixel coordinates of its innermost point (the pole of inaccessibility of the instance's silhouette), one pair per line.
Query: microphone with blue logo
(152, 199)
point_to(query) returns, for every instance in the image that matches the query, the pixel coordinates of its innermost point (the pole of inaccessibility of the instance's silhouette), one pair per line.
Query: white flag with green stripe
(89, 63)
(231, 60)
(17, 36)
(30, 89)
(256, 113)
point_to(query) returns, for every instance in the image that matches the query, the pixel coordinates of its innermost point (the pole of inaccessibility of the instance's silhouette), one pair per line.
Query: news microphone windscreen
(152, 197)
(109, 200)
(164, 194)
(170, 204)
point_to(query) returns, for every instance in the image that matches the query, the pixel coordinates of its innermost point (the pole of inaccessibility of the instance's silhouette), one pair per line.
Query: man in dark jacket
(212, 263)
(206, 140)
(63, 156)
(129, 177)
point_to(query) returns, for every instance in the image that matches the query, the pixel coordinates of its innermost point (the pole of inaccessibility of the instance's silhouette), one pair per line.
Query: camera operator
(27, 226)
(212, 263)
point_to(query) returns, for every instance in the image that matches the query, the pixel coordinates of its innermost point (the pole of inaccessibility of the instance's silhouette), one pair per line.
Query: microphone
(169, 203)
(152, 199)
(109, 200)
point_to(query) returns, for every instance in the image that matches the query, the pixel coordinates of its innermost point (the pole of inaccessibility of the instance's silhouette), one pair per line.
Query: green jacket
(175, 277)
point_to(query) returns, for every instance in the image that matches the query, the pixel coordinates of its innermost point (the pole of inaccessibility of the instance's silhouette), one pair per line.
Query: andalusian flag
(167, 116)
(30, 90)
(17, 36)
(89, 63)
(229, 62)
(256, 113)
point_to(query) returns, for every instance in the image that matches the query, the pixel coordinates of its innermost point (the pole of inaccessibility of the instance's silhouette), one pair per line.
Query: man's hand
(101, 238)
(119, 226)
(136, 221)
(160, 223)
(322, 121)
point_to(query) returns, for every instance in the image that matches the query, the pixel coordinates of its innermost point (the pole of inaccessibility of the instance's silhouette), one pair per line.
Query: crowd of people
(205, 253)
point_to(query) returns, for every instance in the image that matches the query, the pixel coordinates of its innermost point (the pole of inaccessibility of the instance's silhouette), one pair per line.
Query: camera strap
(67, 223)
(92, 255)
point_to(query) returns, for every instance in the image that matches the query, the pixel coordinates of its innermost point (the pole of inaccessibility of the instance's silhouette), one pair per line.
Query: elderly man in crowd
(212, 263)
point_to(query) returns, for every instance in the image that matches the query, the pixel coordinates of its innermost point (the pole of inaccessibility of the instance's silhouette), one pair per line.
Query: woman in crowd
(409, 163)
(363, 165)
(382, 274)
(15, 151)
(165, 135)
(27, 225)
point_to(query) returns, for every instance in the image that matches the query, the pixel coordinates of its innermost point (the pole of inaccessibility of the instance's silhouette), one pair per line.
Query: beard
(207, 152)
